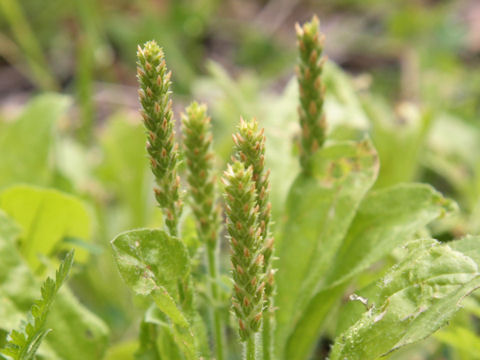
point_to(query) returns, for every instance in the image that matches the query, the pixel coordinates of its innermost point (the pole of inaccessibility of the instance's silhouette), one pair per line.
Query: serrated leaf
(25, 343)
(410, 302)
(46, 217)
(77, 333)
(343, 173)
(152, 263)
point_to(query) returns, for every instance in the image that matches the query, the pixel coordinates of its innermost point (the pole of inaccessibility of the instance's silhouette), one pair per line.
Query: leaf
(410, 302)
(469, 245)
(9, 230)
(77, 333)
(152, 263)
(124, 169)
(46, 217)
(26, 143)
(384, 220)
(23, 344)
(343, 173)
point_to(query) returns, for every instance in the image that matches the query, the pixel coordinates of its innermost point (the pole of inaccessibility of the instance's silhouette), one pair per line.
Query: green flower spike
(246, 255)
(154, 94)
(197, 143)
(312, 91)
(250, 149)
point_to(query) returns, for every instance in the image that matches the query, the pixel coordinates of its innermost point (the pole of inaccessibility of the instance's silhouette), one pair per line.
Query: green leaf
(413, 300)
(23, 344)
(384, 220)
(343, 173)
(124, 169)
(26, 143)
(46, 217)
(469, 246)
(77, 333)
(153, 263)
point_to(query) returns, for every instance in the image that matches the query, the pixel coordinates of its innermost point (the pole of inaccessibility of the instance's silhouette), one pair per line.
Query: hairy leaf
(152, 263)
(385, 220)
(410, 302)
(319, 211)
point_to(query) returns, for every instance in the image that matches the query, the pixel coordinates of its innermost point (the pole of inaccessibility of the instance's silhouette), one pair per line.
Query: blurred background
(406, 72)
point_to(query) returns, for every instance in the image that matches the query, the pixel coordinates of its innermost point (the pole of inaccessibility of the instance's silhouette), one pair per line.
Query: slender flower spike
(250, 149)
(246, 254)
(154, 95)
(309, 73)
(197, 142)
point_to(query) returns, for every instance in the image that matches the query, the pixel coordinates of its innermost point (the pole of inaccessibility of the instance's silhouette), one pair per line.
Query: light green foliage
(34, 209)
(343, 173)
(384, 220)
(77, 333)
(30, 138)
(411, 301)
(152, 263)
(123, 169)
(23, 344)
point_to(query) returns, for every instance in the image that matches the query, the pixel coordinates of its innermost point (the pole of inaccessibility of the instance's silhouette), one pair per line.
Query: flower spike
(154, 95)
(312, 90)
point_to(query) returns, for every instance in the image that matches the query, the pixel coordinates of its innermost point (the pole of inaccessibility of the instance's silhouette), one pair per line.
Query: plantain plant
(305, 277)
(333, 229)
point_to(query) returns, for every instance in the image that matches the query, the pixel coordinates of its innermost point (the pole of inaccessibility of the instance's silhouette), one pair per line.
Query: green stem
(217, 319)
(267, 331)
(250, 348)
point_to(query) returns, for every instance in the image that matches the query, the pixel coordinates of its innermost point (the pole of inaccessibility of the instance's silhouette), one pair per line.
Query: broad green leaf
(46, 217)
(413, 300)
(343, 173)
(153, 263)
(76, 333)
(25, 144)
(384, 220)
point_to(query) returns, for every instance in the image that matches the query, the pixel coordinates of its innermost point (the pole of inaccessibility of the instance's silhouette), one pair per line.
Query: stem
(267, 331)
(250, 348)
(217, 319)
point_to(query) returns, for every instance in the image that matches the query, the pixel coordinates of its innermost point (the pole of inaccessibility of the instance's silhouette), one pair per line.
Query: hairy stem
(217, 316)
(267, 331)
(250, 348)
